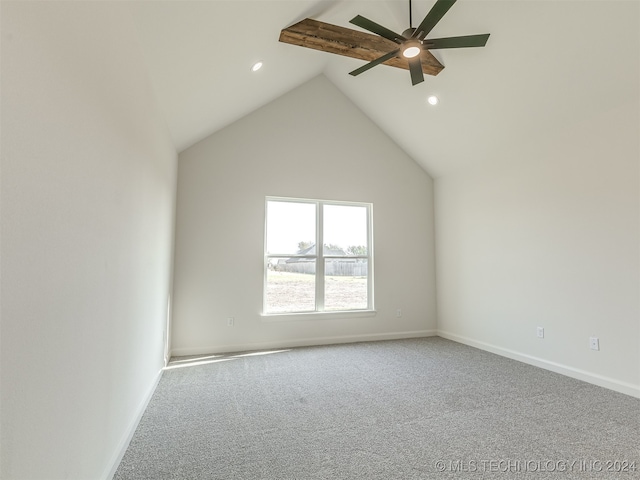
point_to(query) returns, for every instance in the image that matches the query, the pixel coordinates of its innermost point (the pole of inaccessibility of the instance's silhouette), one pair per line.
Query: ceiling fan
(409, 50)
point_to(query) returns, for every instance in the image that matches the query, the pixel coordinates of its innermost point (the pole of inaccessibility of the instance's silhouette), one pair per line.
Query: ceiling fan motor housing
(408, 32)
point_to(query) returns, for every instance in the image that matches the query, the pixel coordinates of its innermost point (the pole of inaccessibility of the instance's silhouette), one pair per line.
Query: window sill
(284, 317)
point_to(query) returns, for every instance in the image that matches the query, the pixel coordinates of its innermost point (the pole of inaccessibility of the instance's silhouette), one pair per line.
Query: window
(302, 278)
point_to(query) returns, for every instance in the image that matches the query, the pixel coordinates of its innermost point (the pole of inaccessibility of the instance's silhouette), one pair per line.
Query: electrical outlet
(594, 343)
(540, 332)
(399, 313)
(230, 321)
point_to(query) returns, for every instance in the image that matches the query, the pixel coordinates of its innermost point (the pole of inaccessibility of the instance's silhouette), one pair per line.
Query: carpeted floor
(404, 409)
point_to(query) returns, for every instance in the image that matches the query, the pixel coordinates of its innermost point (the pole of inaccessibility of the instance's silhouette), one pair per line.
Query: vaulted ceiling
(547, 65)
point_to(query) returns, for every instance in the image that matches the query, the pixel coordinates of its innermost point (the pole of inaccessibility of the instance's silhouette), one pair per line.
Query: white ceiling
(548, 64)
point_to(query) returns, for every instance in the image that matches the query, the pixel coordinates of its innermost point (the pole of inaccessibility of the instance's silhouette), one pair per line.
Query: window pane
(291, 285)
(345, 230)
(345, 286)
(291, 227)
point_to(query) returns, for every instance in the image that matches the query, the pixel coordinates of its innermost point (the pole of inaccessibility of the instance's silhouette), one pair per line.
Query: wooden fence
(340, 268)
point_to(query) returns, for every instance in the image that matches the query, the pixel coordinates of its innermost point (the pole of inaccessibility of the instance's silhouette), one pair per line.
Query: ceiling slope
(540, 71)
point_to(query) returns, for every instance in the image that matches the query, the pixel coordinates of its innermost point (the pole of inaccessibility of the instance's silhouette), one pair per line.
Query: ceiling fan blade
(415, 67)
(375, 62)
(372, 26)
(433, 17)
(457, 42)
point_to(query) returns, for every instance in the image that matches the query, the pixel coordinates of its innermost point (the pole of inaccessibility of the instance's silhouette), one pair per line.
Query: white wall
(550, 238)
(88, 190)
(310, 143)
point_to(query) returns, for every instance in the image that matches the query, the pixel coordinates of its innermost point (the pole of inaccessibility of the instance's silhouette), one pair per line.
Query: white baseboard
(600, 380)
(301, 342)
(131, 429)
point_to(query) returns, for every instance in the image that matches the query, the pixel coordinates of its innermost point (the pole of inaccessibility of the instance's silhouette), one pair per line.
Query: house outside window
(299, 277)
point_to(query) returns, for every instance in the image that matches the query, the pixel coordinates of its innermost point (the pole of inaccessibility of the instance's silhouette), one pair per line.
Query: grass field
(295, 292)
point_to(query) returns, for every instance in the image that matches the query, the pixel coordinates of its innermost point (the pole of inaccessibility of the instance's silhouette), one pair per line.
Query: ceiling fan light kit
(409, 50)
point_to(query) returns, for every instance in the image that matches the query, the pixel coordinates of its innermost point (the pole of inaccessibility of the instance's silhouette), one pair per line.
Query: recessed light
(256, 66)
(433, 100)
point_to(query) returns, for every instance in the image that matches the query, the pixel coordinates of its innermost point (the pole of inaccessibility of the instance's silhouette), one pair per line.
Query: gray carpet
(405, 409)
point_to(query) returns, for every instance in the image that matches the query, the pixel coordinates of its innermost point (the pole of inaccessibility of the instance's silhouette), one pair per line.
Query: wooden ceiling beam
(330, 38)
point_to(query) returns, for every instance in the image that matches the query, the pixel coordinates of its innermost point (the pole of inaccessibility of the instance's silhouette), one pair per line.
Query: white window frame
(320, 260)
